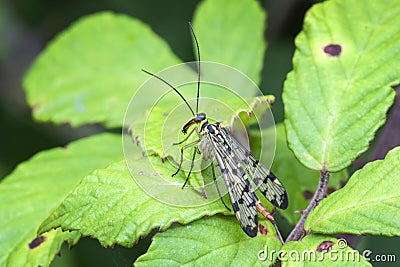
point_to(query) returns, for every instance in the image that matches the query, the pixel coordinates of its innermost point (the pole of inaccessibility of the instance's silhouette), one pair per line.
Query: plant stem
(298, 231)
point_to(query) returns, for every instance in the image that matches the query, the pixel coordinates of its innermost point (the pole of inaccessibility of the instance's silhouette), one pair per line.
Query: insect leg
(191, 166)
(216, 185)
(186, 138)
(181, 161)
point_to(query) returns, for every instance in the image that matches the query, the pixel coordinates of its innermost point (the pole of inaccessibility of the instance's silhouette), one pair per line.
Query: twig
(298, 231)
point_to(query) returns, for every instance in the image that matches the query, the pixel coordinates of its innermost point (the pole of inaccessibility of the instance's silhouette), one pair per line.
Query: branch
(298, 231)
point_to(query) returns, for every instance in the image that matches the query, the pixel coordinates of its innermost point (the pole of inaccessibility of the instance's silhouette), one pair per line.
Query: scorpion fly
(236, 164)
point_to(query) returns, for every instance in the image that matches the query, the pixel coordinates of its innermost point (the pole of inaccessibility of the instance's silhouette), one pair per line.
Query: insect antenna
(198, 66)
(170, 85)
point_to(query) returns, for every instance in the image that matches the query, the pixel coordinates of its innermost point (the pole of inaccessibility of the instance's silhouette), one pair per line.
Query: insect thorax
(208, 131)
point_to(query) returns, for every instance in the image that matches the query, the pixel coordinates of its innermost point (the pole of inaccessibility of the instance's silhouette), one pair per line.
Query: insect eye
(200, 117)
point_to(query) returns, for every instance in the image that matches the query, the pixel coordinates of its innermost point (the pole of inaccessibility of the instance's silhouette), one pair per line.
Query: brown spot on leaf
(333, 50)
(330, 190)
(37, 241)
(325, 246)
(137, 141)
(262, 229)
(203, 193)
(307, 194)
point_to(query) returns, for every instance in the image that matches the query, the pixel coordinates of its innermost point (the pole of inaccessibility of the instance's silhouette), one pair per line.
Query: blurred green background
(27, 25)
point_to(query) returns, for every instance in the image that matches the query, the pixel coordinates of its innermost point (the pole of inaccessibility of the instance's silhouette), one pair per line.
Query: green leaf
(112, 207)
(335, 104)
(38, 186)
(255, 118)
(162, 128)
(72, 82)
(226, 39)
(297, 179)
(319, 250)
(368, 204)
(218, 241)
(90, 71)
(49, 244)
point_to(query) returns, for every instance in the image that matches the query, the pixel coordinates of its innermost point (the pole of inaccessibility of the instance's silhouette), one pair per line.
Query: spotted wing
(263, 178)
(240, 191)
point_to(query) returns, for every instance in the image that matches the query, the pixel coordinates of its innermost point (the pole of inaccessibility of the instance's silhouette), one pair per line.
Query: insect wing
(263, 178)
(240, 191)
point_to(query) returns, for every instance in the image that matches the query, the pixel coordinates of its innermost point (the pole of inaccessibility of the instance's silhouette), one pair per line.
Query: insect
(236, 164)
